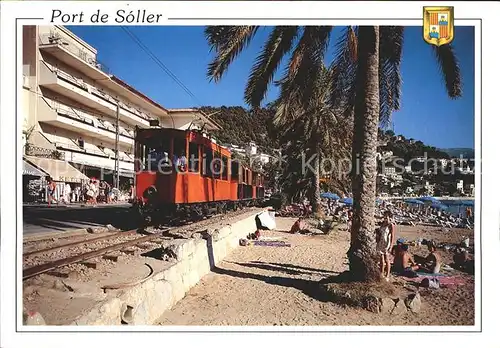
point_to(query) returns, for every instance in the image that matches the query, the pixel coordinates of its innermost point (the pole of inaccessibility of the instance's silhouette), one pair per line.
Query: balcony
(92, 160)
(73, 56)
(26, 82)
(76, 89)
(80, 122)
(92, 155)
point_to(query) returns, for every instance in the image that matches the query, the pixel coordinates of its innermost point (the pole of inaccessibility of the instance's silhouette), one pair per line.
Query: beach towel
(270, 243)
(270, 239)
(423, 274)
(444, 281)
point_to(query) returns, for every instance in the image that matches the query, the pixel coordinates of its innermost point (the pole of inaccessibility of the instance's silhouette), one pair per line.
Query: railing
(26, 81)
(123, 105)
(56, 39)
(69, 111)
(97, 91)
(85, 117)
(101, 153)
(36, 151)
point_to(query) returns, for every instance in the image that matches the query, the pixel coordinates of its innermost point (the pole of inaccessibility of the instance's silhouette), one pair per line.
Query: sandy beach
(259, 285)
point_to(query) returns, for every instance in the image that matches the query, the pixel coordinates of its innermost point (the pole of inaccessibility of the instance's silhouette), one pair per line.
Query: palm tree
(315, 124)
(367, 64)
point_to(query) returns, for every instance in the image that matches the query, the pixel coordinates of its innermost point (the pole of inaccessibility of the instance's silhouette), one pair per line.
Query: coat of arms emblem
(438, 25)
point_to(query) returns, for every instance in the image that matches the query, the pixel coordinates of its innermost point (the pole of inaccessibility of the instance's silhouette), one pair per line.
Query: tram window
(217, 164)
(194, 158)
(224, 167)
(207, 160)
(235, 169)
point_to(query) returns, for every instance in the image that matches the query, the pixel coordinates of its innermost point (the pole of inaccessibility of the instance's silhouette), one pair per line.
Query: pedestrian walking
(67, 193)
(92, 192)
(78, 192)
(51, 190)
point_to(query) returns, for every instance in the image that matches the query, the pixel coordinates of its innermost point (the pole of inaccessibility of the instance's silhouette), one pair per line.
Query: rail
(69, 245)
(43, 268)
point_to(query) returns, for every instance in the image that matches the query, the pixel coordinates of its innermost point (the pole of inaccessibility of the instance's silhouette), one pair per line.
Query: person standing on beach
(385, 239)
(468, 213)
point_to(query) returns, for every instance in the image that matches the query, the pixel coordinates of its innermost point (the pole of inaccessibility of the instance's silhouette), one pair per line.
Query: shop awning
(126, 174)
(31, 170)
(58, 170)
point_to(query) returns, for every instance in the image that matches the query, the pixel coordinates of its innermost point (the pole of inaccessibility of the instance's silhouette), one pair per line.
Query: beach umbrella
(414, 201)
(428, 199)
(347, 200)
(439, 206)
(329, 195)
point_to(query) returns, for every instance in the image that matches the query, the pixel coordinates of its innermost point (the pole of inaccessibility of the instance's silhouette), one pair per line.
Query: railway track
(77, 243)
(51, 265)
(43, 260)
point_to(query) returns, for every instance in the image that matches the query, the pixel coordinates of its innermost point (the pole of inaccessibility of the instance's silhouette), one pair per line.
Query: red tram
(183, 172)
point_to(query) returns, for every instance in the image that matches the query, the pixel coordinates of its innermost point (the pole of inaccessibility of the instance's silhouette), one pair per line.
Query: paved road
(42, 219)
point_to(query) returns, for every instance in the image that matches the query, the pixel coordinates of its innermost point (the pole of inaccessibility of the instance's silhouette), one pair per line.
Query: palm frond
(227, 42)
(390, 52)
(448, 64)
(305, 63)
(343, 68)
(278, 44)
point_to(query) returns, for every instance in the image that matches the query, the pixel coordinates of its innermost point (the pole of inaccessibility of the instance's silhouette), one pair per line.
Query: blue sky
(426, 114)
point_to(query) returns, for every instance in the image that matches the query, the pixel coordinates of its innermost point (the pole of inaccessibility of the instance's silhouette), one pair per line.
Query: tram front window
(156, 160)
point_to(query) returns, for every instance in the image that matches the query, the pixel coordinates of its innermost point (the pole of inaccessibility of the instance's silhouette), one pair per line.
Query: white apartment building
(73, 107)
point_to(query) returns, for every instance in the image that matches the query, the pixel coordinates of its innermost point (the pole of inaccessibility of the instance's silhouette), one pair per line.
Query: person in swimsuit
(433, 260)
(298, 226)
(397, 253)
(409, 265)
(385, 240)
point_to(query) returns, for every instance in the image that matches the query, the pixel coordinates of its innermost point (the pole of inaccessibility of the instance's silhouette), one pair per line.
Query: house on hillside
(470, 190)
(389, 170)
(251, 149)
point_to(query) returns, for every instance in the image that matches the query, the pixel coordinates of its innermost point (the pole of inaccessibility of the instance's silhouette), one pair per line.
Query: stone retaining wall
(146, 302)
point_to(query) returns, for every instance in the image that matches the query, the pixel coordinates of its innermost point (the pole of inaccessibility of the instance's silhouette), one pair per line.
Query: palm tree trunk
(316, 198)
(362, 254)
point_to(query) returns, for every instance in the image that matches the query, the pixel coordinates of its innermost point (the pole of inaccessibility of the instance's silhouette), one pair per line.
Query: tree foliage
(241, 126)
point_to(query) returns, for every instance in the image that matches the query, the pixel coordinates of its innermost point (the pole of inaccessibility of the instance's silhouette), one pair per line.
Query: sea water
(457, 207)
